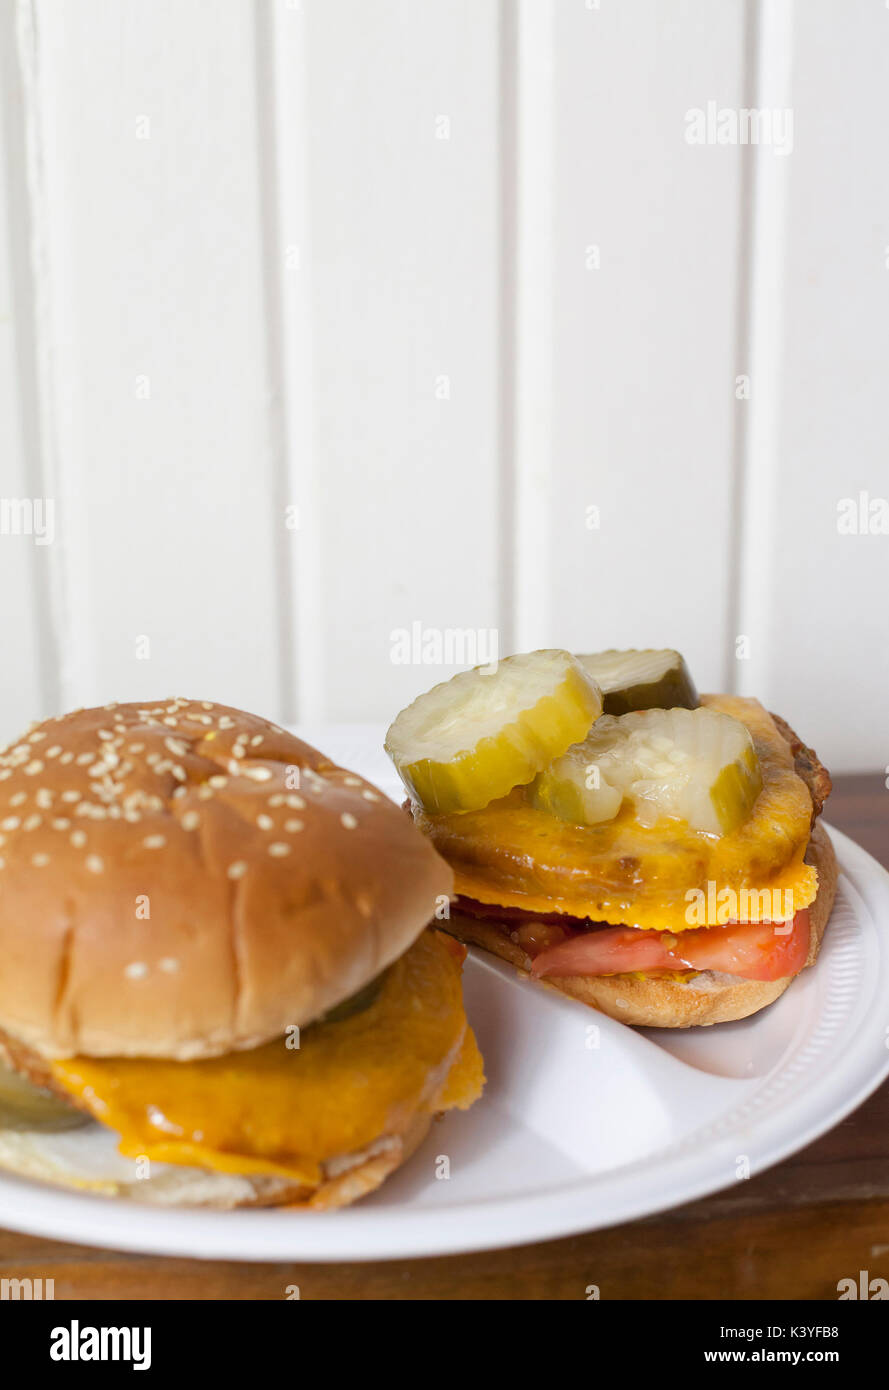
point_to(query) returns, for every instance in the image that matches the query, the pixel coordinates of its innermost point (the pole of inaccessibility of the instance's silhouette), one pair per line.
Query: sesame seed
(205, 704)
(278, 849)
(259, 774)
(265, 822)
(54, 751)
(204, 794)
(94, 864)
(154, 841)
(78, 838)
(296, 803)
(348, 821)
(2, 863)
(191, 820)
(39, 860)
(171, 723)
(32, 822)
(44, 798)
(352, 781)
(105, 735)
(18, 799)
(179, 792)
(61, 824)
(136, 748)
(370, 796)
(292, 826)
(169, 964)
(277, 799)
(66, 758)
(176, 746)
(11, 823)
(179, 773)
(136, 970)
(217, 780)
(255, 741)
(71, 796)
(34, 767)
(226, 722)
(237, 870)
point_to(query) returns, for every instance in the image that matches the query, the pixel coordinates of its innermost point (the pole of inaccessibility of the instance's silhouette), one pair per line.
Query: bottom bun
(86, 1159)
(711, 997)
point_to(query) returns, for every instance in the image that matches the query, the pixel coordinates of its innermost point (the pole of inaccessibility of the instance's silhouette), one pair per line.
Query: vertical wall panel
(404, 192)
(24, 565)
(644, 348)
(149, 126)
(818, 617)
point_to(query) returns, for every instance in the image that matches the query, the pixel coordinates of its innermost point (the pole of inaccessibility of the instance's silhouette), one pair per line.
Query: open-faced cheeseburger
(213, 944)
(650, 853)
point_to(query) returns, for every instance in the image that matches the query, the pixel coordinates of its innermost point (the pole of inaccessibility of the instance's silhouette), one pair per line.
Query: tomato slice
(752, 950)
(607, 951)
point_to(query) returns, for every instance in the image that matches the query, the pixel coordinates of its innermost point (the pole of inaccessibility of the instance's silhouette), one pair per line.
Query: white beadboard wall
(321, 319)
(26, 689)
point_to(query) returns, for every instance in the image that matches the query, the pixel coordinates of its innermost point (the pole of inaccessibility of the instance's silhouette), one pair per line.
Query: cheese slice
(514, 855)
(283, 1110)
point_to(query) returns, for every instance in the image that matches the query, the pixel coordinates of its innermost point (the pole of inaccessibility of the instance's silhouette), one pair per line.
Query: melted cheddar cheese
(285, 1110)
(514, 855)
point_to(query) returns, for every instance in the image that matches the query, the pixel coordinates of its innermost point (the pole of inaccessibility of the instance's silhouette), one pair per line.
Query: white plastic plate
(584, 1122)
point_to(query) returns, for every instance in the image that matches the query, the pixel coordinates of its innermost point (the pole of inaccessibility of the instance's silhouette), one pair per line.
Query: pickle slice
(475, 737)
(693, 765)
(632, 680)
(356, 1003)
(574, 789)
(24, 1106)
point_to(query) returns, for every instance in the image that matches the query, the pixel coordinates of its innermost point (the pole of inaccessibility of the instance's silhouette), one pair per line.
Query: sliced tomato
(608, 951)
(752, 950)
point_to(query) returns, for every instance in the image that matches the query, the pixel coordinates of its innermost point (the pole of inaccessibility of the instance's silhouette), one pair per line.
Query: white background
(336, 255)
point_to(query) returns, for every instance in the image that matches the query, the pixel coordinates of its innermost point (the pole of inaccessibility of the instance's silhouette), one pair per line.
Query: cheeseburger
(649, 852)
(216, 984)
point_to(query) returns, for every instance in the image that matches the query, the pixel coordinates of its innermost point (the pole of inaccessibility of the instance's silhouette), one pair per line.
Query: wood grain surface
(791, 1232)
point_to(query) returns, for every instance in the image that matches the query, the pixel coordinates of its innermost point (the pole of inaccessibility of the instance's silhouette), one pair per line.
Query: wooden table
(791, 1232)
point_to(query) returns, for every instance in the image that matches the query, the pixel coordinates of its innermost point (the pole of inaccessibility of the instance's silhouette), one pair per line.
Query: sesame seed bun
(656, 1002)
(181, 879)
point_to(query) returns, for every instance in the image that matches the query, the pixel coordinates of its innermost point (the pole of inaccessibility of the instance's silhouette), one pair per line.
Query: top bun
(180, 879)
